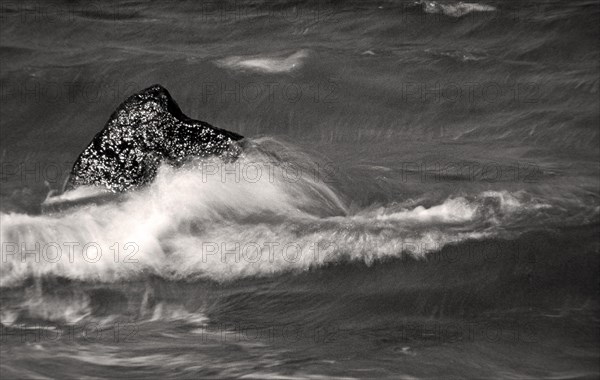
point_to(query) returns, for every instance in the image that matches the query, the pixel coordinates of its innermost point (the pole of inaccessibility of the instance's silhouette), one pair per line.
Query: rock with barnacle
(146, 130)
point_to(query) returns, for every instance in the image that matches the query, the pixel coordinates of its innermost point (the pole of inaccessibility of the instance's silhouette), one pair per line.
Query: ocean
(418, 196)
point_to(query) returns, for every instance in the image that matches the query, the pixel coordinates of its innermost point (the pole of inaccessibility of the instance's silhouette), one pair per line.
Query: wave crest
(455, 9)
(223, 221)
(266, 64)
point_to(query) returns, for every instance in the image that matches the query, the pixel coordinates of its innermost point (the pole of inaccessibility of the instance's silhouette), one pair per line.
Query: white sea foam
(266, 64)
(220, 221)
(455, 9)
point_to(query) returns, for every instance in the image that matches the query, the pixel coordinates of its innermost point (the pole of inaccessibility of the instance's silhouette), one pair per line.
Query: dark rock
(146, 130)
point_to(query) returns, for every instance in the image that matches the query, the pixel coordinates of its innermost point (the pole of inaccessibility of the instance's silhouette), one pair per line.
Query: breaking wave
(255, 217)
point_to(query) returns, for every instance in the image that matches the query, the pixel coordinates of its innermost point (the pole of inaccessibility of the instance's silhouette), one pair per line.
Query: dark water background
(446, 206)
